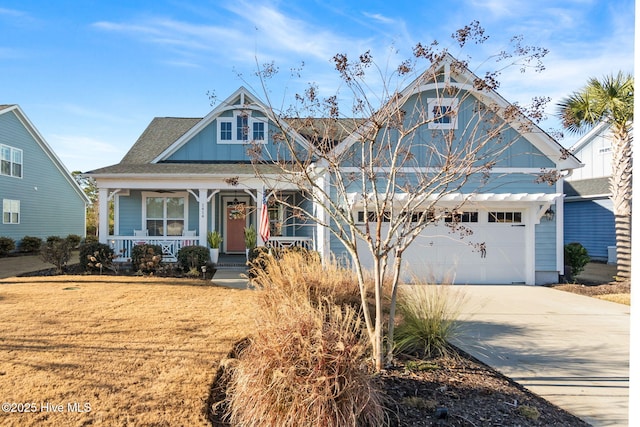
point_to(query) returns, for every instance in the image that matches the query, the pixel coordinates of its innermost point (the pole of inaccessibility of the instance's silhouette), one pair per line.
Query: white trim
(502, 170)
(147, 194)
(451, 103)
(251, 121)
(559, 217)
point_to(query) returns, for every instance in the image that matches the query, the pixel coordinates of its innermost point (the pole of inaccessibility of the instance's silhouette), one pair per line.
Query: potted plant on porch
(214, 239)
(250, 239)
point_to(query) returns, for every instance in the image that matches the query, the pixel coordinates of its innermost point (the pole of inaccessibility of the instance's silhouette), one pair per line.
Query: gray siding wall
(49, 203)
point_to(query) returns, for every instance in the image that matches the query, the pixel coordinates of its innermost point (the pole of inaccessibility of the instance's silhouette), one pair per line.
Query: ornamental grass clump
(307, 362)
(430, 319)
(300, 273)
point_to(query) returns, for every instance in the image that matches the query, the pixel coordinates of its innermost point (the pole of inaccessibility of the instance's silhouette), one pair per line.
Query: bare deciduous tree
(396, 163)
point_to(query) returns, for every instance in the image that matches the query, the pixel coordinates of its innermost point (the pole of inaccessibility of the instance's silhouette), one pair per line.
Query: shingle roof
(587, 187)
(160, 134)
(186, 169)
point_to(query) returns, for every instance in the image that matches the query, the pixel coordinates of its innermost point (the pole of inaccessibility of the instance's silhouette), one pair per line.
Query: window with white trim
(10, 211)
(10, 161)
(442, 113)
(240, 129)
(509, 217)
(165, 216)
(467, 216)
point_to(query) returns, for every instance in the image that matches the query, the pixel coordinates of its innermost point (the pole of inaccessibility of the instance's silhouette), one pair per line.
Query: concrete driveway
(570, 349)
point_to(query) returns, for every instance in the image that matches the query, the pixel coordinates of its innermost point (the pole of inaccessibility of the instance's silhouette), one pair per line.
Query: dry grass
(306, 361)
(618, 292)
(139, 351)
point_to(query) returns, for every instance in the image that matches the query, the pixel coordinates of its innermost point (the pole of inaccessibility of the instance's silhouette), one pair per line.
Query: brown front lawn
(128, 351)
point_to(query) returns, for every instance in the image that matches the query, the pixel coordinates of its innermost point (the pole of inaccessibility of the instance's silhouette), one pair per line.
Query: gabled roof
(240, 99)
(161, 133)
(5, 109)
(461, 77)
(588, 137)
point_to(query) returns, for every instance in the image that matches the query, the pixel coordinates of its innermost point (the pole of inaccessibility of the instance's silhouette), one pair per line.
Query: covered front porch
(173, 218)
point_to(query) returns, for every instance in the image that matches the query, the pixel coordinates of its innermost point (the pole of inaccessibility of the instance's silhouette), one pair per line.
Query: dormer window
(240, 129)
(442, 113)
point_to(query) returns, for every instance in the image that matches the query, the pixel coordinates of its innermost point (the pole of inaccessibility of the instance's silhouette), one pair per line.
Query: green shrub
(74, 240)
(57, 251)
(95, 257)
(146, 258)
(430, 315)
(193, 257)
(7, 244)
(30, 244)
(576, 257)
(91, 239)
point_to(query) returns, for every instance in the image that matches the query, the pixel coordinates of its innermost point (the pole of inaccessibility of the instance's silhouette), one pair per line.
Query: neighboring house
(39, 197)
(192, 175)
(588, 216)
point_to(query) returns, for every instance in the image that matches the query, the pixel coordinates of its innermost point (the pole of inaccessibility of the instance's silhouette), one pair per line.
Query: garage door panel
(442, 255)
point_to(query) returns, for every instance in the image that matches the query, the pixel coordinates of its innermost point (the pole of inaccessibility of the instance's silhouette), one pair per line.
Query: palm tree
(611, 101)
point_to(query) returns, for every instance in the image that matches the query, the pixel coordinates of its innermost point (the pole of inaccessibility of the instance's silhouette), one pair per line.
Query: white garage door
(494, 253)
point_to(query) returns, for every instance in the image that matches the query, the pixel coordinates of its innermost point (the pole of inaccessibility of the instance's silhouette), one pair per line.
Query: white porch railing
(123, 245)
(282, 242)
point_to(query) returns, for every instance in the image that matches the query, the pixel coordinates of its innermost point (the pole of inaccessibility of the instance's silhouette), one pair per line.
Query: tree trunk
(621, 191)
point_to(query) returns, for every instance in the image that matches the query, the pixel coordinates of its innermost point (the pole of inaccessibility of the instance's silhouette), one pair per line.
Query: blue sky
(91, 75)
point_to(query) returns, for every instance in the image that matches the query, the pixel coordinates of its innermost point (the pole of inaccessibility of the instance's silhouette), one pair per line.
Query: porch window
(10, 211)
(165, 216)
(10, 161)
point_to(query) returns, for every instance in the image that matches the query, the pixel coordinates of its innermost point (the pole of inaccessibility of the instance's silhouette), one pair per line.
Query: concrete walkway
(570, 349)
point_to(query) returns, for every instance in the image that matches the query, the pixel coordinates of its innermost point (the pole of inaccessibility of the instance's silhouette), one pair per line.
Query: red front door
(236, 222)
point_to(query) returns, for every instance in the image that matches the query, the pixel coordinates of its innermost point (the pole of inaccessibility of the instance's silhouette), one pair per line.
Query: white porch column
(103, 215)
(560, 227)
(202, 217)
(259, 241)
(530, 245)
(322, 234)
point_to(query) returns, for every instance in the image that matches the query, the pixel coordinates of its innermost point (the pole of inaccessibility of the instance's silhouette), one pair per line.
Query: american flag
(263, 229)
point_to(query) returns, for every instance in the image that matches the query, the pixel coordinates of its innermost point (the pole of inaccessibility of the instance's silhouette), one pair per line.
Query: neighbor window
(165, 216)
(505, 217)
(10, 211)
(10, 161)
(442, 113)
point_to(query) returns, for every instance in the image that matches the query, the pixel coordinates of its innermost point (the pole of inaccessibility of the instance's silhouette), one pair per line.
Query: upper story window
(240, 129)
(442, 113)
(10, 211)
(10, 161)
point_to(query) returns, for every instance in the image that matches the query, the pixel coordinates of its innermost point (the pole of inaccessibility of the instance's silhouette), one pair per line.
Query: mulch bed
(456, 390)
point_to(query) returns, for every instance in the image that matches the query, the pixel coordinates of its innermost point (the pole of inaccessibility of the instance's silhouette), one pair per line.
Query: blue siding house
(39, 197)
(588, 217)
(186, 176)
